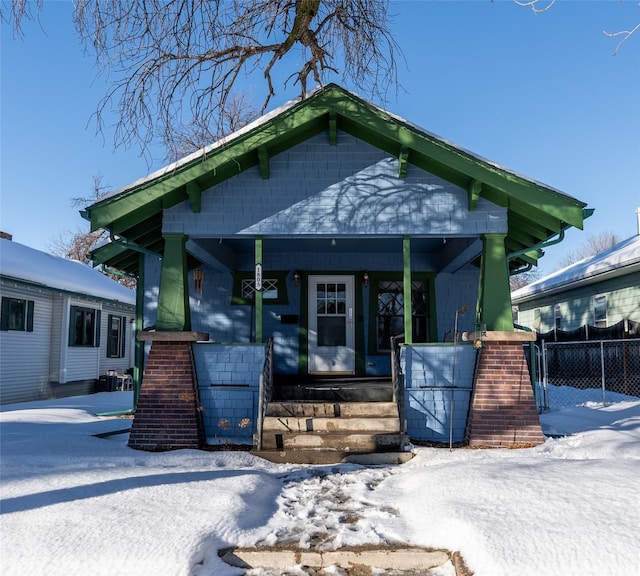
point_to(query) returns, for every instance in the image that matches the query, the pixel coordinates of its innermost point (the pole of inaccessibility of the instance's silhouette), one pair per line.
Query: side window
(84, 326)
(390, 312)
(17, 314)
(536, 319)
(557, 315)
(116, 335)
(600, 310)
(274, 288)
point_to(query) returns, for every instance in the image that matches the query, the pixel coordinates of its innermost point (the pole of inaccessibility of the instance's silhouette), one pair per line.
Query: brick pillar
(503, 409)
(168, 414)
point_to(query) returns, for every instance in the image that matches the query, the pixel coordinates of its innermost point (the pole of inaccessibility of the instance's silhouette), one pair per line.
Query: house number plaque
(258, 277)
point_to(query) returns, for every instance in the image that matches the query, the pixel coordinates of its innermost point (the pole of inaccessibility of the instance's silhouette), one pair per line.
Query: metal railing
(587, 371)
(397, 379)
(266, 390)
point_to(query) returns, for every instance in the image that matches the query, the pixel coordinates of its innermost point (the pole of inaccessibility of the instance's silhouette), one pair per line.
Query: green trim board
(542, 209)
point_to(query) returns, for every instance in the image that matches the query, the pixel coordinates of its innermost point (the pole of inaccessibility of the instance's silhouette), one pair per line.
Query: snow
(27, 264)
(623, 258)
(73, 503)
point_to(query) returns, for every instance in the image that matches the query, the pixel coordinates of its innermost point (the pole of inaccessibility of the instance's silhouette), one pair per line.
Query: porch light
(333, 241)
(296, 278)
(365, 278)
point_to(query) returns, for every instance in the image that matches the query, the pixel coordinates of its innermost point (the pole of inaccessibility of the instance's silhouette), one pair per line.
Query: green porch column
(173, 300)
(258, 293)
(406, 286)
(494, 295)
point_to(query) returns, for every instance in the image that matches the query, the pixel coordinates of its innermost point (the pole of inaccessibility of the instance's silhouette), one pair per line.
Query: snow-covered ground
(72, 503)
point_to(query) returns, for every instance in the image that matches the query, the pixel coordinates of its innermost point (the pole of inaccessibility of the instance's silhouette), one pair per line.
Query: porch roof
(133, 215)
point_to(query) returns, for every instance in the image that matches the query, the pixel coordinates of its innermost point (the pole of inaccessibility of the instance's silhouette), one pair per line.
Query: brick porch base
(503, 409)
(168, 413)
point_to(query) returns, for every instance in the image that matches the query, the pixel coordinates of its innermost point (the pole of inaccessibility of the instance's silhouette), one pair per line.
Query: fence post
(545, 371)
(604, 390)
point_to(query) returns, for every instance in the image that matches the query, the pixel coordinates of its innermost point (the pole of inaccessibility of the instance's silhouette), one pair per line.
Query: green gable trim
(536, 212)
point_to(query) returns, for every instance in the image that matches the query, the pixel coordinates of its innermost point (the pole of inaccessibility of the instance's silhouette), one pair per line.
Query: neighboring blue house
(63, 325)
(327, 227)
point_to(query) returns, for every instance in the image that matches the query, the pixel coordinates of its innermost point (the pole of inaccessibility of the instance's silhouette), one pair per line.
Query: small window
(84, 326)
(116, 336)
(600, 310)
(17, 314)
(536, 319)
(557, 315)
(274, 288)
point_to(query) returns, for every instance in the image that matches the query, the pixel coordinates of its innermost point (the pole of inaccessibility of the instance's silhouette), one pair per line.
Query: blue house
(276, 265)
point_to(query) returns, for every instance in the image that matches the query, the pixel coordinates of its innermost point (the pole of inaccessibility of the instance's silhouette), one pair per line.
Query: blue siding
(228, 385)
(351, 188)
(430, 387)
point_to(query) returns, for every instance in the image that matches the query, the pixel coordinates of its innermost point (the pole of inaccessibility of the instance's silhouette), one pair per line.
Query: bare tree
(79, 244)
(238, 112)
(594, 244)
(520, 280)
(169, 60)
(539, 6)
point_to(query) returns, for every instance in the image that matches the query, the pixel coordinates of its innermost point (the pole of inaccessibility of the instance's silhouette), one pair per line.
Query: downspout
(538, 248)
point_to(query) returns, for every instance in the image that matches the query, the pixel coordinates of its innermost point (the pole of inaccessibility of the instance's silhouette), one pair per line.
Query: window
(390, 312)
(536, 319)
(557, 315)
(17, 314)
(84, 326)
(116, 335)
(515, 314)
(274, 288)
(600, 310)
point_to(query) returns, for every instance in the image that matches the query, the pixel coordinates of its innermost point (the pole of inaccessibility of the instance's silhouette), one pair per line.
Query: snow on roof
(264, 119)
(623, 257)
(27, 264)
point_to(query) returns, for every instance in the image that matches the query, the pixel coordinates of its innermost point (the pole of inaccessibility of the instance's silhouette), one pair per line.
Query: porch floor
(310, 388)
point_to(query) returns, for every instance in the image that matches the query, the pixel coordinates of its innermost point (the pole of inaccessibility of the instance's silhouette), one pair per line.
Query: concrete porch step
(333, 409)
(372, 441)
(289, 424)
(321, 457)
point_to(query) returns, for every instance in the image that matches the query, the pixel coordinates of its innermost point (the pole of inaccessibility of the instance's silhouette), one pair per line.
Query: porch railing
(397, 379)
(266, 390)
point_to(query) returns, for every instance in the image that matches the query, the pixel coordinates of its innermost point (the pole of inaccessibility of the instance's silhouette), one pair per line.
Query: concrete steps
(329, 432)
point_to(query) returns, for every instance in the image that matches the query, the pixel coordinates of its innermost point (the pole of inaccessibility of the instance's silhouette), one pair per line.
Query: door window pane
(331, 331)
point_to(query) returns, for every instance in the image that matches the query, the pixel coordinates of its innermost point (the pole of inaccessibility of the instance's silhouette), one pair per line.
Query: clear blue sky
(539, 94)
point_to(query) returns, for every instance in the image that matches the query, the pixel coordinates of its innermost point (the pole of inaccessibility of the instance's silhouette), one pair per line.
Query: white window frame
(600, 322)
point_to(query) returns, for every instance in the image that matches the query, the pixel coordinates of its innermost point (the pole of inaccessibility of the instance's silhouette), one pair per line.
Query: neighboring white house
(599, 291)
(62, 325)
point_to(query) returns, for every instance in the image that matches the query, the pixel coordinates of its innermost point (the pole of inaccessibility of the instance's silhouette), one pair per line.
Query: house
(283, 259)
(63, 325)
(601, 291)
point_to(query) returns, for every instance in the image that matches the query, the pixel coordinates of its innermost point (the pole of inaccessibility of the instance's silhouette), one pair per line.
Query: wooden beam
(194, 194)
(263, 157)
(333, 128)
(403, 160)
(474, 190)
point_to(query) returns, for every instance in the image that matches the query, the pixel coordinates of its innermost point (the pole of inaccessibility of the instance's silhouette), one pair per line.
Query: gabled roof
(623, 258)
(134, 213)
(19, 262)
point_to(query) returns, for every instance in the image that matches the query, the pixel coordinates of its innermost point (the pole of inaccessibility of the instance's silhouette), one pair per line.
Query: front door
(331, 325)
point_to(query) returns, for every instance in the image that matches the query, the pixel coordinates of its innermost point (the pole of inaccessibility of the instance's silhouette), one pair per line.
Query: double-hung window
(116, 335)
(17, 314)
(84, 326)
(600, 310)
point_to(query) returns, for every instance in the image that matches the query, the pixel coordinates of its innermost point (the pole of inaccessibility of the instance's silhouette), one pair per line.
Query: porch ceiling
(226, 253)
(134, 214)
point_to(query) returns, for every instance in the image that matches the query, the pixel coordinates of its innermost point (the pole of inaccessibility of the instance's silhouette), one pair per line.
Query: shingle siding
(352, 188)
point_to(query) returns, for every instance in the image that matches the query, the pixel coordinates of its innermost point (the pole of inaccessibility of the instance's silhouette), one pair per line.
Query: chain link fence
(573, 373)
